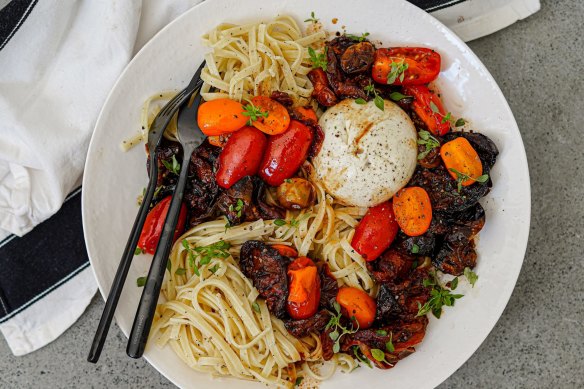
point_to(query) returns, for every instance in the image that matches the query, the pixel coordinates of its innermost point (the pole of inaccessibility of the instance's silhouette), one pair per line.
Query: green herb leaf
(239, 207)
(214, 268)
(460, 122)
(439, 297)
(280, 222)
(141, 281)
(361, 101)
(288, 181)
(255, 306)
(446, 118)
(168, 266)
(389, 344)
(396, 96)
(378, 354)
(253, 113)
(396, 71)
(298, 379)
(434, 107)
(454, 283)
(318, 60)
(138, 251)
(471, 276)
(462, 178)
(379, 103)
(357, 354)
(173, 166)
(312, 18)
(338, 330)
(180, 271)
(415, 249)
(381, 332)
(482, 179)
(358, 38)
(428, 141)
(294, 223)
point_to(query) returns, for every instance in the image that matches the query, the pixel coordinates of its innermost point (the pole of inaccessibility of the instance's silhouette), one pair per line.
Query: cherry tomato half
(417, 64)
(220, 116)
(304, 288)
(429, 109)
(241, 156)
(358, 304)
(375, 231)
(285, 153)
(277, 119)
(152, 229)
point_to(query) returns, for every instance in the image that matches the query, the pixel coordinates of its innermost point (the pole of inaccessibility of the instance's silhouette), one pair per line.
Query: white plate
(113, 179)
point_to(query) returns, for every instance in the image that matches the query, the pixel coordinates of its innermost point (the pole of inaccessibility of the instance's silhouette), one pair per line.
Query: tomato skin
(459, 154)
(421, 105)
(277, 120)
(413, 210)
(241, 156)
(375, 232)
(304, 288)
(285, 153)
(423, 65)
(358, 304)
(152, 229)
(220, 116)
(287, 251)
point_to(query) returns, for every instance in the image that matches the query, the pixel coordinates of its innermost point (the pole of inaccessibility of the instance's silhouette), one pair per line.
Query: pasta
(258, 58)
(214, 320)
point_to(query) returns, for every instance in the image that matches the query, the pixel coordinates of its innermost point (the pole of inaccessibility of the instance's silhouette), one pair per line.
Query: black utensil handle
(122, 272)
(149, 299)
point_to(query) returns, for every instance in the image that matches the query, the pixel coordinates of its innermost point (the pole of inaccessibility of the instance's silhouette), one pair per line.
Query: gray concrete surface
(539, 340)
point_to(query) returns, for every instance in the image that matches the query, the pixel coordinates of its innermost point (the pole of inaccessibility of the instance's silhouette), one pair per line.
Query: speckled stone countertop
(538, 342)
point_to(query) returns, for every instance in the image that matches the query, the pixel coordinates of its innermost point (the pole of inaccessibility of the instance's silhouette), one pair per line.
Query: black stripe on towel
(48, 256)
(435, 5)
(11, 18)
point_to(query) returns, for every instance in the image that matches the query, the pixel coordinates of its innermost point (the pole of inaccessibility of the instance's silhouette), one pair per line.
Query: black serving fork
(159, 124)
(190, 137)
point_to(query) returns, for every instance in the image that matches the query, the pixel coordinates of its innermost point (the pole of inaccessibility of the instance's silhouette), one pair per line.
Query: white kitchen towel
(56, 69)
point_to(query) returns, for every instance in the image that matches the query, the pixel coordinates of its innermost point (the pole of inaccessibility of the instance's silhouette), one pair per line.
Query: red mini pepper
(155, 221)
(304, 288)
(375, 232)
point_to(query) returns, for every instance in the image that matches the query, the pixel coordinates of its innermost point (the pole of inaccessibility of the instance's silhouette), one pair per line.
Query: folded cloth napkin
(58, 61)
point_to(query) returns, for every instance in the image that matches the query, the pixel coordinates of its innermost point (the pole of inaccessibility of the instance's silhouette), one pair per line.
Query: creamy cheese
(367, 154)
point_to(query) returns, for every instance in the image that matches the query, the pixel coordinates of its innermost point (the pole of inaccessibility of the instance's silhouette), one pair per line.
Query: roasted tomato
(357, 304)
(272, 117)
(241, 156)
(358, 58)
(287, 251)
(322, 90)
(296, 193)
(375, 231)
(462, 161)
(155, 221)
(429, 109)
(218, 140)
(413, 210)
(417, 64)
(221, 116)
(304, 287)
(285, 153)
